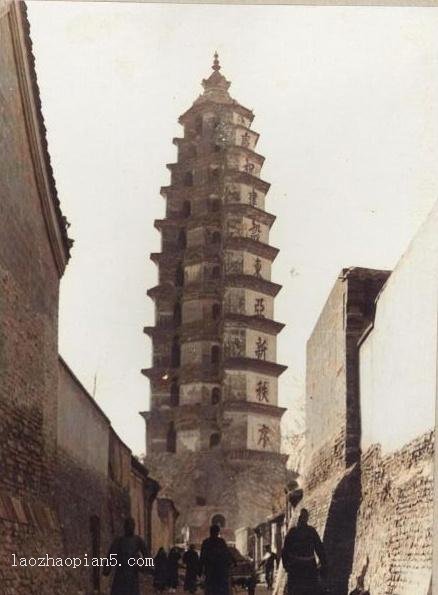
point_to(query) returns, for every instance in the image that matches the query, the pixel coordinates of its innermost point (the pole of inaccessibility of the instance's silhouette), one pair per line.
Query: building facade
(214, 413)
(370, 440)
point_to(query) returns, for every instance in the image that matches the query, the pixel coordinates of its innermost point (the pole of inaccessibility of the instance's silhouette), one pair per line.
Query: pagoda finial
(216, 65)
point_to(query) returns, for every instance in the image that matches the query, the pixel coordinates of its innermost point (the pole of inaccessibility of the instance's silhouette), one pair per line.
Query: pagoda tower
(213, 429)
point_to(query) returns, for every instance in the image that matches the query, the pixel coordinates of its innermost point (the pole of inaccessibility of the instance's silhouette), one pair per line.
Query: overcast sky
(346, 102)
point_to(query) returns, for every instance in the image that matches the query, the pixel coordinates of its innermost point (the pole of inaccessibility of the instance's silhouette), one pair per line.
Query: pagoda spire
(216, 66)
(216, 85)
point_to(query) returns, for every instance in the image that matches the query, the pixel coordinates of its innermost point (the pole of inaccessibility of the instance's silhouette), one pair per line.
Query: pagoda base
(243, 487)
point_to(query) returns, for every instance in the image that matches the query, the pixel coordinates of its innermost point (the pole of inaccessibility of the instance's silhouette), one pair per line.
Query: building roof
(216, 91)
(56, 222)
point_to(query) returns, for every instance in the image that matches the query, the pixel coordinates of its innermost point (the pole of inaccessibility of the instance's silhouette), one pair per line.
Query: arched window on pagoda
(214, 174)
(179, 275)
(215, 311)
(174, 394)
(182, 239)
(177, 313)
(175, 356)
(215, 354)
(216, 237)
(191, 151)
(188, 178)
(216, 272)
(215, 439)
(215, 205)
(215, 395)
(198, 124)
(218, 519)
(171, 438)
(187, 209)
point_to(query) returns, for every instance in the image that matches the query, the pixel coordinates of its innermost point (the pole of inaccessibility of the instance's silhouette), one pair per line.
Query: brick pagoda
(213, 429)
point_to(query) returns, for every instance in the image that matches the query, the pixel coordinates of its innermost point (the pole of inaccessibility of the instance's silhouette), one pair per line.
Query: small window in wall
(182, 240)
(216, 311)
(218, 519)
(177, 313)
(179, 275)
(215, 354)
(174, 394)
(215, 439)
(175, 357)
(171, 438)
(95, 550)
(188, 179)
(215, 395)
(187, 209)
(216, 272)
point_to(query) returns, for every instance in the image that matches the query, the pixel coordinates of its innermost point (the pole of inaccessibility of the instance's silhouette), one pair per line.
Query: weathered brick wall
(394, 523)
(28, 349)
(29, 302)
(375, 520)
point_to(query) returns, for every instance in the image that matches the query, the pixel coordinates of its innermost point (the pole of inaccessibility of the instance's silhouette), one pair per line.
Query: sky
(346, 104)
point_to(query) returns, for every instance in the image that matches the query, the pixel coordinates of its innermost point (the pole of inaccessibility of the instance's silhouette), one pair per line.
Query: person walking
(215, 563)
(160, 571)
(191, 561)
(172, 569)
(298, 556)
(268, 562)
(125, 548)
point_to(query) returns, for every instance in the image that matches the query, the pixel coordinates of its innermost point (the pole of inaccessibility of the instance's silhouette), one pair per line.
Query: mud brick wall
(29, 282)
(394, 524)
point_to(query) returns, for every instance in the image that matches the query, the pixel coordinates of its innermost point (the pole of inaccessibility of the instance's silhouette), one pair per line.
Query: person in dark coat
(172, 568)
(215, 563)
(360, 589)
(268, 562)
(298, 556)
(125, 581)
(191, 562)
(160, 570)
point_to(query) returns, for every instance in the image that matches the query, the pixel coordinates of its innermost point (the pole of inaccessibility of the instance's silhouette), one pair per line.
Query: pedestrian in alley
(268, 562)
(172, 569)
(191, 562)
(215, 563)
(125, 581)
(359, 589)
(301, 545)
(160, 570)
